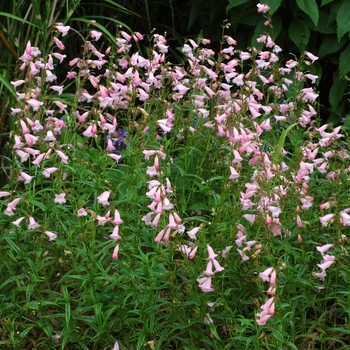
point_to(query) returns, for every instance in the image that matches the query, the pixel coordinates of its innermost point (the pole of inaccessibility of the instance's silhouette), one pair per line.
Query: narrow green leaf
(310, 8)
(281, 141)
(7, 84)
(122, 8)
(344, 62)
(343, 19)
(235, 3)
(195, 10)
(19, 19)
(299, 33)
(337, 91)
(330, 44)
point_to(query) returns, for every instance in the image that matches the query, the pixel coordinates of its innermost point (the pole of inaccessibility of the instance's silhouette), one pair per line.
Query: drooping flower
(103, 198)
(32, 224)
(115, 252)
(52, 236)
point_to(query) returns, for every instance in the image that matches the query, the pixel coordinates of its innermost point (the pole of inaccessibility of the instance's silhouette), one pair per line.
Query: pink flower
(103, 198)
(193, 232)
(60, 105)
(95, 35)
(326, 219)
(116, 157)
(117, 220)
(52, 236)
(81, 212)
(48, 171)
(35, 104)
(38, 160)
(345, 218)
(63, 157)
(263, 8)
(115, 252)
(115, 233)
(205, 284)
(312, 57)
(23, 155)
(32, 224)
(31, 139)
(59, 56)
(265, 276)
(211, 254)
(116, 346)
(18, 221)
(63, 29)
(323, 266)
(17, 83)
(324, 248)
(57, 88)
(4, 194)
(25, 177)
(60, 198)
(11, 207)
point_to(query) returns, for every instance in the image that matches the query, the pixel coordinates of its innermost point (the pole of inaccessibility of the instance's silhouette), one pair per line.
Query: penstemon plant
(161, 206)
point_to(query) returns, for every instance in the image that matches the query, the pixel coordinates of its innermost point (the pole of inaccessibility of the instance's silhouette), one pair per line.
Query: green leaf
(299, 33)
(274, 5)
(281, 141)
(194, 12)
(310, 8)
(19, 19)
(325, 2)
(235, 3)
(330, 44)
(344, 62)
(7, 84)
(343, 19)
(337, 91)
(324, 25)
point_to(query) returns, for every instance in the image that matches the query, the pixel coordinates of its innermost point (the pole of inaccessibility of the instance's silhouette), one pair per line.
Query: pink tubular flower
(115, 234)
(95, 35)
(117, 220)
(81, 212)
(32, 224)
(63, 29)
(115, 252)
(35, 104)
(4, 194)
(52, 236)
(265, 276)
(205, 284)
(25, 177)
(324, 248)
(312, 57)
(326, 219)
(64, 158)
(116, 346)
(39, 159)
(211, 254)
(11, 207)
(193, 232)
(48, 171)
(103, 198)
(18, 221)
